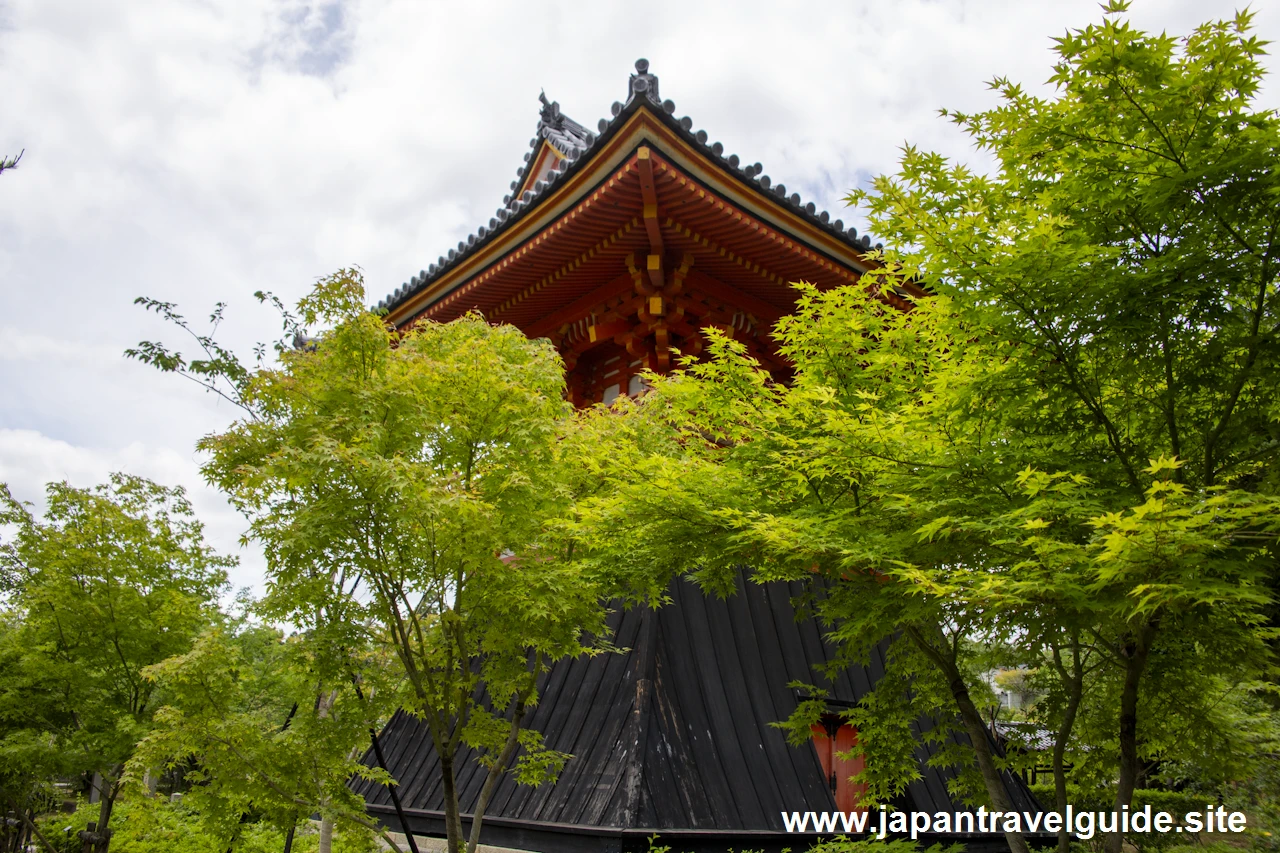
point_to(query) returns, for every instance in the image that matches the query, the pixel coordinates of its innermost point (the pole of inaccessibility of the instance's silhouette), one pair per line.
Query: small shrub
(145, 825)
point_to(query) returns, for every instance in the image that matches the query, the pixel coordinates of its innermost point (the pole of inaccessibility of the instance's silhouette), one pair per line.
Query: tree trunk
(1075, 689)
(454, 842)
(495, 776)
(326, 835)
(1137, 651)
(104, 825)
(391, 788)
(109, 790)
(324, 703)
(977, 731)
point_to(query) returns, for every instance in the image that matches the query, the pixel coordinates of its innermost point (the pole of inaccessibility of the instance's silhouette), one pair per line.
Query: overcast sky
(199, 151)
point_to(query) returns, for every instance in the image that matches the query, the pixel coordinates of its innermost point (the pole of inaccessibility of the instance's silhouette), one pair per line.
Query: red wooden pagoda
(622, 246)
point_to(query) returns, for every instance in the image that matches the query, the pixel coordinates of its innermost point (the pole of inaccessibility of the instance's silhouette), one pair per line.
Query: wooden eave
(575, 215)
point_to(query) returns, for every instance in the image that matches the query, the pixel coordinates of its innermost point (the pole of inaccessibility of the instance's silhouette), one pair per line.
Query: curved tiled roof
(577, 143)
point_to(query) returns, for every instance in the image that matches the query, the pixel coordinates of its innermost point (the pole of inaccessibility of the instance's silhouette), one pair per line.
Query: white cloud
(197, 151)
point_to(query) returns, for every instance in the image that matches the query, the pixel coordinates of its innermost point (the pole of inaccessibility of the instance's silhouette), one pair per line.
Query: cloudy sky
(199, 150)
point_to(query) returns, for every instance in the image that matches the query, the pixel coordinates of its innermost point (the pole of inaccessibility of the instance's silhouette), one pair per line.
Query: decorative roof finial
(643, 83)
(550, 112)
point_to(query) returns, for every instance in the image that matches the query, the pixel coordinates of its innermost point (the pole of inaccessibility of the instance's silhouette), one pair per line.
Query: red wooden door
(837, 770)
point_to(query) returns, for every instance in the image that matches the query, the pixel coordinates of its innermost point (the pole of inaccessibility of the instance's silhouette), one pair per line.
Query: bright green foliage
(110, 581)
(1068, 448)
(154, 825)
(399, 484)
(1125, 253)
(1125, 248)
(259, 732)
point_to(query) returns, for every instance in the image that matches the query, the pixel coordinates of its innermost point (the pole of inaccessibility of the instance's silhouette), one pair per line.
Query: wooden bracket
(610, 329)
(654, 266)
(662, 346)
(639, 277)
(675, 283)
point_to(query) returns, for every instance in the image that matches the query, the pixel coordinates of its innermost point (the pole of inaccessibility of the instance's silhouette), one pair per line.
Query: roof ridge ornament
(550, 112)
(643, 83)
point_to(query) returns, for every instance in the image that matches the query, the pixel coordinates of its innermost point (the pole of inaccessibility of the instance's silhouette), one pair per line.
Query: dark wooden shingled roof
(697, 761)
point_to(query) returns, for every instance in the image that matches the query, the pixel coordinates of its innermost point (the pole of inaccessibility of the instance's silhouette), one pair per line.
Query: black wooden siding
(709, 760)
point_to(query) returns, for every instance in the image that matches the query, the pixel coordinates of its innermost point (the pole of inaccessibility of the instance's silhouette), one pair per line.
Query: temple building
(621, 246)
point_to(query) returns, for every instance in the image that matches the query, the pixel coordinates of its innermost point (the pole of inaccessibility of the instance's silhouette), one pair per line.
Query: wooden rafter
(580, 307)
(564, 270)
